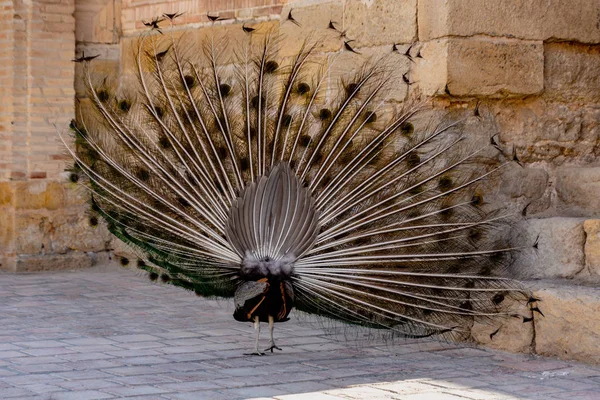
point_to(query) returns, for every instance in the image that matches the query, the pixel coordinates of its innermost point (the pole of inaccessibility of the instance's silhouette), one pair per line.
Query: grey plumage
(271, 186)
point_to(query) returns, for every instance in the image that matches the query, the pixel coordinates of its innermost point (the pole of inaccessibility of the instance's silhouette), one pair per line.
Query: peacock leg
(271, 328)
(257, 328)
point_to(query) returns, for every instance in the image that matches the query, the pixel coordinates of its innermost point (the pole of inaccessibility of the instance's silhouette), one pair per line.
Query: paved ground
(109, 333)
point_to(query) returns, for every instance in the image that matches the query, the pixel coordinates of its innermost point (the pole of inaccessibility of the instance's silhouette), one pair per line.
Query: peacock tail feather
(225, 167)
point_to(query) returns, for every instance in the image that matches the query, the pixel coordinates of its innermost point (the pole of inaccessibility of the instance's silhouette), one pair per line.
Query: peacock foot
(256, 353)
(273, 347)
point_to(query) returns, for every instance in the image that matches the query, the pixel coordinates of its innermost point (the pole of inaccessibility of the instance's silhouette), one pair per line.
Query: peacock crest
(281, 184)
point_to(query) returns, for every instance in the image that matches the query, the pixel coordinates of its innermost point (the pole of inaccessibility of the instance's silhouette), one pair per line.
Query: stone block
(431, 71)
(379, 22)
(571, 72)
(6, 194)
(72, 232)
(592, 246)
(574, 20)
(548, 131)
(560, 251)
(495, 67)
(58, 232)
(577, 191)
(314, 20)
(6, 230)
(524, 185)
(53, 262)
(480, 66)
(509, 333)
(32, 233)
(570, 328)
(97, 21)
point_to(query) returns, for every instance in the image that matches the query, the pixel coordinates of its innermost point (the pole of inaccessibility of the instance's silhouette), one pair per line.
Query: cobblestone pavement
(109, 333)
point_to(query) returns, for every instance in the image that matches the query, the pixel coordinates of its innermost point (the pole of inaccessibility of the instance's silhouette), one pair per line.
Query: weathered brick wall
(42, 221)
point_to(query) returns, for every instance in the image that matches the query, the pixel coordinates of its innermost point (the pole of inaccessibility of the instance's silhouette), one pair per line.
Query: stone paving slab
(109, 333)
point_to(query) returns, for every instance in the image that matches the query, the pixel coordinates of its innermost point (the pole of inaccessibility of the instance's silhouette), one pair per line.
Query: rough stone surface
(53, 262)
(560, 251)
(575, 20)
(570, 328)
(577, 191)
(494, 67)
(431, 72)
(508, 334)
(571, 72)
(379, 22)
(523, 186)
(548, 131)
(480, 66)
(313, 18)
(592, 246)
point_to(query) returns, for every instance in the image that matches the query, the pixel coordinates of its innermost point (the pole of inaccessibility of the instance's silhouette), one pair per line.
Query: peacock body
(262, 179)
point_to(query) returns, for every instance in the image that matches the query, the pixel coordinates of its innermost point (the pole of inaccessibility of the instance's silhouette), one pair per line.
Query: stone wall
(532, 67)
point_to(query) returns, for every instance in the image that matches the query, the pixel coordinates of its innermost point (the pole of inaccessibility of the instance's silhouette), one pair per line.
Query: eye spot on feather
(124, 105)
(496, 257)
(93, 221)
(466, 305)
(256, 100)
(124, 261)
(159, 111)
(303, 88)
(498, 298)
(318, 157)
(477, 199)
(427, 311)
(153, 276)
(222, 152)
(474, 235)
(485, 270)
(165, 278)
(271, 66)
(446, 212)
(224, 89)
(324, 114)
(413, 160)
(103, 95)
(183, 202)
(94, 207)
(445, 183)
(352, 88)
(415, 190)
(141, 263)
(198, 293)
(164, 142)
(143, 174)
(244, 164)
(189, 81)
(286, 120)
(407, 128)
(73, 177)
(305, 140)
(371, 117)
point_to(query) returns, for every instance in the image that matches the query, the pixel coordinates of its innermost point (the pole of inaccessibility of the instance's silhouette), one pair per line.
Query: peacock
(270, 180)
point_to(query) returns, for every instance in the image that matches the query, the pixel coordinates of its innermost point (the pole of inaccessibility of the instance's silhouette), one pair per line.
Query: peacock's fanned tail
(222, 169)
